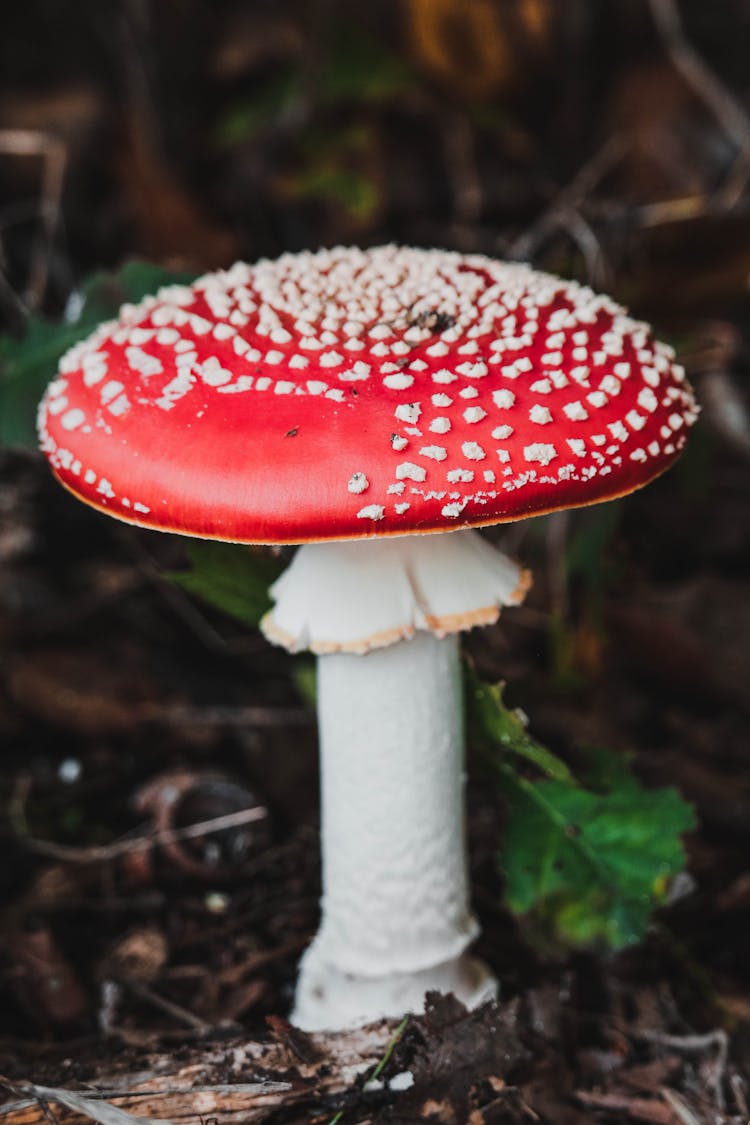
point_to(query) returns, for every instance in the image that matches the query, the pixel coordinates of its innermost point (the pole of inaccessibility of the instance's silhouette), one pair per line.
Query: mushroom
(355, 401)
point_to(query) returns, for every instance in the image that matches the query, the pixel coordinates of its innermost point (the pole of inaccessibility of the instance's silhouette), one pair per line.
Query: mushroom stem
(395, 912)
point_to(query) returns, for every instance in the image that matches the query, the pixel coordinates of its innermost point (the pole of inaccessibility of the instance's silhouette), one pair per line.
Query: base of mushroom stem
(329, 999)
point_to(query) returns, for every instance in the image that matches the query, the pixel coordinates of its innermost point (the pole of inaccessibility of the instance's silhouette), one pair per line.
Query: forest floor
(130, 959)
(148, 968)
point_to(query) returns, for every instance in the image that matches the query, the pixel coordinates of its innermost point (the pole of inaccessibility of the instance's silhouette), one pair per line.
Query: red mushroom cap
(352, 392)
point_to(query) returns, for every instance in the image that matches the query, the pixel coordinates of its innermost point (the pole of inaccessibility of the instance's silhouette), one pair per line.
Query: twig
(136, 40)
(569, 200)
(459, 150)
(737, 1084)
(17, 805)
(314, 60)
(717, 1040)
(634, 1108)
(676, 1103)
(728, 196)
(49, 1114)
(54, 155)
(182, 1015)
(725, 407)
(659, 214)
(9, 299)
(582, 233)
(727, 110)
(106, 852)
(725, 107)
(232, 1101)
(690, 1043)
(230, 1088)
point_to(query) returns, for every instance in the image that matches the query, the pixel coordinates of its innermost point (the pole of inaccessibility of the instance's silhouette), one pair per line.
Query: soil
(145, 968)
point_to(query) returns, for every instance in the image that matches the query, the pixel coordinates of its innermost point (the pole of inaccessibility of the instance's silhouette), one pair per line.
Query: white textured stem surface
(395, 888)
(396, 916)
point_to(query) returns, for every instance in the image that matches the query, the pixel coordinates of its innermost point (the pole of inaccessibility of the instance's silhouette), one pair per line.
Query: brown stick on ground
(263, 1076)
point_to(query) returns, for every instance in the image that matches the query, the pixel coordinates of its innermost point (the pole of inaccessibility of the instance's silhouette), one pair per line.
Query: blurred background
(606, 142)
(596, 137)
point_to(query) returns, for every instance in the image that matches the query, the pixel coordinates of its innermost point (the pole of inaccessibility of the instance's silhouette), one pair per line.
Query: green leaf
(359, 69)
(346, 186)
(230, 577)
(305, 676)
(28, 364)
(356, 70)
(249, 117)
(585, 862)
(330, 170)
(493, 723)
(591, 866)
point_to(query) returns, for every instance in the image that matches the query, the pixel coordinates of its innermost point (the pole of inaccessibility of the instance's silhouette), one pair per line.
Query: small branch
(725, 407)
(17, 312)
(737, 1085)
(728, 196)
(17, 805)
(717, 1041)
(728, 111)
(105, 853)
(685, 209)
(54, 156)
(459, 150)
(569, 201)
(676, 1103)
(176, 1011)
